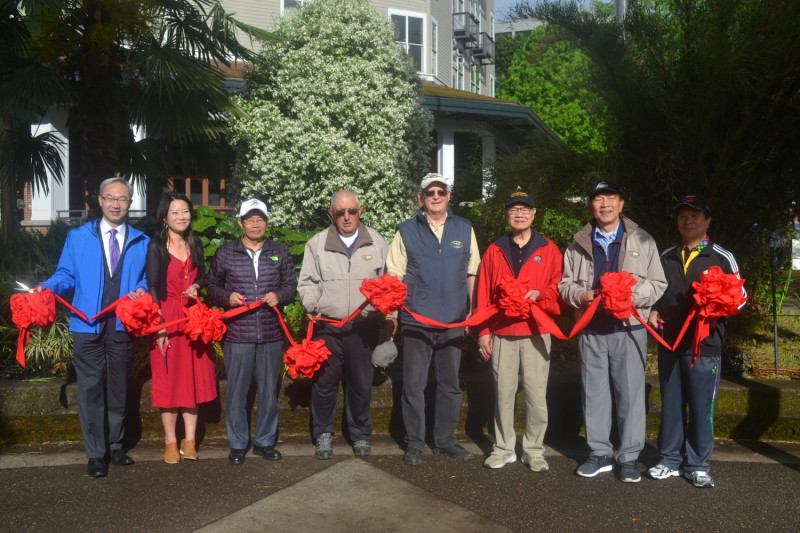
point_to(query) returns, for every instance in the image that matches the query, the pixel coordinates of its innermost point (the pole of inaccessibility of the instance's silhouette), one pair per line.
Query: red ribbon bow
(204, 323)
(31, 309)
(717, 295)
(138, 315)
(386, 293)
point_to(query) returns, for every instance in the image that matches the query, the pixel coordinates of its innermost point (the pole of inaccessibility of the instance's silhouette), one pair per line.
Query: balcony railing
(465, 28)
(484, 49)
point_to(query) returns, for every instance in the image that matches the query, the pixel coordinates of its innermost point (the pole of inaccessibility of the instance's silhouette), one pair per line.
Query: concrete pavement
(758, 485)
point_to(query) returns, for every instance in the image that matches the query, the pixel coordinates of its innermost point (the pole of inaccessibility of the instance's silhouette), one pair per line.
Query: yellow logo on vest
(634, 254)
(456, 244)
(366, 257)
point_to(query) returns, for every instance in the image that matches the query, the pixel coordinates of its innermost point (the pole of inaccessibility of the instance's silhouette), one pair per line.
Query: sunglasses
(433, 192)
(352, 211)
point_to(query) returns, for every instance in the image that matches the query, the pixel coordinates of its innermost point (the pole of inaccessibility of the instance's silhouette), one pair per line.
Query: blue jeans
(240, 358)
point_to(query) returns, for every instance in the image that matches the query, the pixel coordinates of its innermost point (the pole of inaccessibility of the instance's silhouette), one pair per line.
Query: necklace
(184, 263)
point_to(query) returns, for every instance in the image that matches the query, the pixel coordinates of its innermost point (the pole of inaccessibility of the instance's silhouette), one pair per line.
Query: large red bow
(138, 315)
(717, 295)
(386, 293)
(204, 323)
(31, 309)
(306, 358)
(512, 297)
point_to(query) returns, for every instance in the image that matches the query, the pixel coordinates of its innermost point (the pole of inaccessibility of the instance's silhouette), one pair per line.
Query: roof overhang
(515, 120)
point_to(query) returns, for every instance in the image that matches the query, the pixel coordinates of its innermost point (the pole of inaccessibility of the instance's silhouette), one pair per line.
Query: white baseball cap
(430, 179)
(253, 205)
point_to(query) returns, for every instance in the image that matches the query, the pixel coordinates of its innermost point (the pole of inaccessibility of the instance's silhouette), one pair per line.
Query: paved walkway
(757, 489)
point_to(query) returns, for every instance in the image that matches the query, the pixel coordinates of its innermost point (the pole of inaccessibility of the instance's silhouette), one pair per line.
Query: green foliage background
(333, 104)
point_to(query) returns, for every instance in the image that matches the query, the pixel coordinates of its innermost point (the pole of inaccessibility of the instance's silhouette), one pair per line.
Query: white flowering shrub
(332, 105)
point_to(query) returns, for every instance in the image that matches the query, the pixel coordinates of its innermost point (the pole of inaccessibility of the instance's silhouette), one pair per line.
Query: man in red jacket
(514, 343)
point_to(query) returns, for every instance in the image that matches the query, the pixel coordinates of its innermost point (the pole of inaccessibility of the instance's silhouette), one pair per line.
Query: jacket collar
(334, 244)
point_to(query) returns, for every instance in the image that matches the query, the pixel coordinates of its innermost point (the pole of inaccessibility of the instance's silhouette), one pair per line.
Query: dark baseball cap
(604, 187)
(519, 197)
(695, 202)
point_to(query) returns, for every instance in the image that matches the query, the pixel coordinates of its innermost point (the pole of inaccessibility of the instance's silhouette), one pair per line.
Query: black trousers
(350, 361)
(103, 365)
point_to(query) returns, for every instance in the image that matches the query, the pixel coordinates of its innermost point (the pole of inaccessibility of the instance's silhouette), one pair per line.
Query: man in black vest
(102, 261)
(436, 255)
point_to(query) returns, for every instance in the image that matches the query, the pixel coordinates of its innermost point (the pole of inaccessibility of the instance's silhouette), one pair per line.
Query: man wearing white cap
(436, 255)
(243, 271)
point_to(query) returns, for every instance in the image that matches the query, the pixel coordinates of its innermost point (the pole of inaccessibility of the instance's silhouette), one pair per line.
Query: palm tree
(151, 64)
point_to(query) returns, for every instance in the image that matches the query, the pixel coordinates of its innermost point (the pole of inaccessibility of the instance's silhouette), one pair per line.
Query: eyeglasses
(352, 211)
(433, 192)
(254, 221)
(121, 200)
(520, 210)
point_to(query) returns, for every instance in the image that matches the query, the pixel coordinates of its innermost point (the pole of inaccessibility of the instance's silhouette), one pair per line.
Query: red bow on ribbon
(512, 297)
(386, 293)
(306, 358)
(31, 309)
(138, 315)
(717, 295)
(204, 323)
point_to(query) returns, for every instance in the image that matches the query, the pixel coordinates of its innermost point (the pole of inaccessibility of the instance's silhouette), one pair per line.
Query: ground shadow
(763, 410)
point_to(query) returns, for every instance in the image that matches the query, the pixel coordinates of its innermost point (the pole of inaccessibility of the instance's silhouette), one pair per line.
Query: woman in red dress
(183, 373)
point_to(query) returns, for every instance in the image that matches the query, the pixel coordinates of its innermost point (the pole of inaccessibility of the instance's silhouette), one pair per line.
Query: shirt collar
(105, 227)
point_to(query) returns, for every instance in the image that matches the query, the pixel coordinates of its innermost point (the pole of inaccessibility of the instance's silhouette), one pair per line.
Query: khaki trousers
(529, 356)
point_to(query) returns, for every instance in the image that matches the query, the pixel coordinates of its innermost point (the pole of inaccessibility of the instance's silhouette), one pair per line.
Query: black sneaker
(629, 473)
(595, 465)
(456, 451)
(412, 456)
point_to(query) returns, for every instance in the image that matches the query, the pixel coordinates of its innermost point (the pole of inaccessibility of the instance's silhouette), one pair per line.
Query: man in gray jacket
(335, 262)
(613, 352)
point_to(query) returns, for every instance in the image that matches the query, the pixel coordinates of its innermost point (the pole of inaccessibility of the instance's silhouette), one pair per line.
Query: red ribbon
(616, 296)
(138, 315)
(306, 358)
(204, 323)
(31, 309)
(717, 295)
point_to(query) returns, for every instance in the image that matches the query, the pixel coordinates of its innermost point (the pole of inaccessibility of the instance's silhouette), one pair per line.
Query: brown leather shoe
(188, 451)
(171, 454)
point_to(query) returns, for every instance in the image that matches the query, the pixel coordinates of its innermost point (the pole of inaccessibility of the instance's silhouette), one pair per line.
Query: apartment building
(451, 45)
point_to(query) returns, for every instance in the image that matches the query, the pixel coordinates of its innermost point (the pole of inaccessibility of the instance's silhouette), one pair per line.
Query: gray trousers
(419, 346)
(614, 364)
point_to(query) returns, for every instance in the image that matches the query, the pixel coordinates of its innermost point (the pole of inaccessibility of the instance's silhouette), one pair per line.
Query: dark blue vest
(436, 273)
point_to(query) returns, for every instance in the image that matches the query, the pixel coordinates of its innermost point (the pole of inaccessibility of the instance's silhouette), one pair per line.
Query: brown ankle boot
(171, 454)
(188, 450)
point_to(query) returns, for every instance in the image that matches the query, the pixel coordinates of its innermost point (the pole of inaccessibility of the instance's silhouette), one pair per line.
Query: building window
(458, 68)
(434, 48)
(410, 35)
(475, 78)
(287, 6)
(202, 191)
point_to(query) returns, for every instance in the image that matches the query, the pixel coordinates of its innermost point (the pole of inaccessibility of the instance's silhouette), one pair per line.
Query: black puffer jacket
(232, 271)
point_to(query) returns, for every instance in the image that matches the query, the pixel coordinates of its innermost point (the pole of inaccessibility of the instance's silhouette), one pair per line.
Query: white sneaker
(700, 479)
(498, 460)
(662, 471)
(536, 464)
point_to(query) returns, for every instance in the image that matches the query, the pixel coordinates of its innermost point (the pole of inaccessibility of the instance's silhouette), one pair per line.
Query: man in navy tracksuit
(685, 442)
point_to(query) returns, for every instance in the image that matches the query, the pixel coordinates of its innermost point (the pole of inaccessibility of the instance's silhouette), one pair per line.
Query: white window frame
(425, 43)
(459, 60)
(492, 85)
(434, 47)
